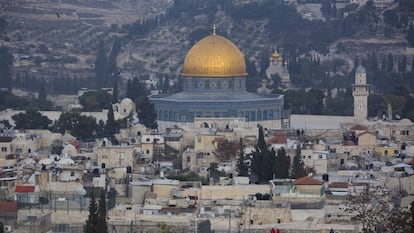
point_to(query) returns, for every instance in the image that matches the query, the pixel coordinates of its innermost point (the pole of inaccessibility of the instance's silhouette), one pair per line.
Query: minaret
(360, 93)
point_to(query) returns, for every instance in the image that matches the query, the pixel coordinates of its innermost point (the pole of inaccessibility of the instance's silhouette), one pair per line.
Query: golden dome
(276, 56)
(214, 56)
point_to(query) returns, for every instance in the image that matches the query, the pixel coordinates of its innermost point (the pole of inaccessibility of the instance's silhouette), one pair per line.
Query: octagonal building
(214, 91)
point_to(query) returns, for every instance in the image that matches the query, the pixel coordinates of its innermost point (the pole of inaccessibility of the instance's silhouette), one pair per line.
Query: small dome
(214, 56)
(128, 101)
(360, 69)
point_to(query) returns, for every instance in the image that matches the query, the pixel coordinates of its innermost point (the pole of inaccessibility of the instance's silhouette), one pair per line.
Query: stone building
(214, 86)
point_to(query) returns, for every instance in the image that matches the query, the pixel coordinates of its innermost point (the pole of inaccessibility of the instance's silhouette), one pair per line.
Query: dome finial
(214, 29)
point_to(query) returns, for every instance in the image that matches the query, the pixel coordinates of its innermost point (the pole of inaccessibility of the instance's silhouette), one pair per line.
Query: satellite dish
(187, 199)
(175, 192)
(2, 126)
(397, 116)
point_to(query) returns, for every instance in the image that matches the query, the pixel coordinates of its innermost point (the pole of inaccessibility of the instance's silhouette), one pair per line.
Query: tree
(136, 89)
(378, 210)
(1, 227)
(6, 64)
(281, 164)
(92, 221)
(262, 160)
(298, 168)
(100, 65)
(402, 64)
(115, 90)
(242, 167)
(390, 63)
(102, 226)
(226, 151)
(42, 93)
(31, 119)
(80, 126)
(111, 127)
(146, 112)
(326, 8)
(95, 100)
(390, 18)
(410, 35)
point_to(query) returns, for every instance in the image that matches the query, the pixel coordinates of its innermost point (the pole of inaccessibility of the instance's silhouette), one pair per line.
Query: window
(320, 156)
(72, 173)
(104, 156)
(4, 149)
(147, 139)
(404, 132)
(188, 159)
(147, 151)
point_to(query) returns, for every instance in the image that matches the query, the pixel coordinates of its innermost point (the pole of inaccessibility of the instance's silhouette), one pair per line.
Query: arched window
(259, 115)
(265, 116)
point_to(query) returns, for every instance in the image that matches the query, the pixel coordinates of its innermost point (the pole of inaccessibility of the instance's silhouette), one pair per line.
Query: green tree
(402, 64)
(136, 89)
(390, 63)
(111, 127)
(262, 160)
(100, 65)
(298, 167)
(242, 167)
(115, 90)
(146, 112)
(281, 165)
(92, 221)
(102, 225)
(42, 93)
(410, 35)
(95, 100)
(390, 18)
(80, 126)
(326, 8)
(31, 119)
(6, 64)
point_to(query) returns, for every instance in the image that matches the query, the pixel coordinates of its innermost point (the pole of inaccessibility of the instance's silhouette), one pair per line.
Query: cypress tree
(242, 167)
(100, 65)
(111, 127)
(390, 63)
(298, 168)
(92, 221)
(410, 35)
(281, 165)
(115, 90)
(102, 226)
(6, 64)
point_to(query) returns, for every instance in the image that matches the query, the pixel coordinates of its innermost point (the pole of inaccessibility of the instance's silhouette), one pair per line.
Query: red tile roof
(25, 189)
(338, 185)
(307, 180)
